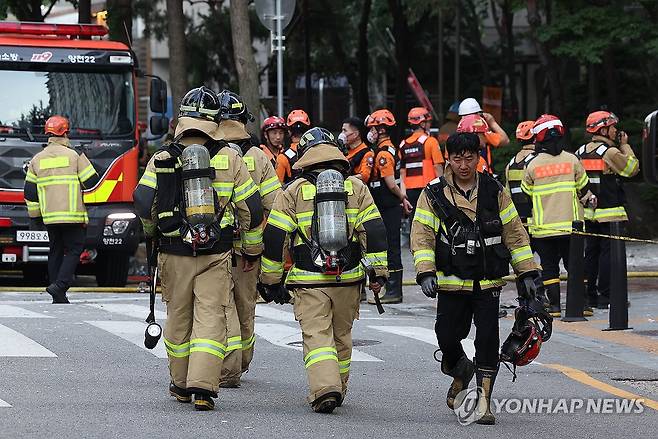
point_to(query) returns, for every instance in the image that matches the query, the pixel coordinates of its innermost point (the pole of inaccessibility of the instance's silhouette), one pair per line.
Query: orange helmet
(298, 116)
(380, 117)
(472, 123)
(418, 115)
(57, 125)
(600, 119)
(524, 130)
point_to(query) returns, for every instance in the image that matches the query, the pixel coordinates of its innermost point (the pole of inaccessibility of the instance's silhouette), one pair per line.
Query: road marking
(281, 335)
(584, 378)
(15, 344)
(131, 331)
(15, 311)
(627, 338)
(128, 309)
(425, 335)
(4, 404)
(272, 313)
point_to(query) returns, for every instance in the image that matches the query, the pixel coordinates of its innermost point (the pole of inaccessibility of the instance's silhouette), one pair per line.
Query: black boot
(462, 373)
(553, 291)
(327, 403)
(181, 395)
(58, 294)
(486, 377)
(203, 402)
(393, 288)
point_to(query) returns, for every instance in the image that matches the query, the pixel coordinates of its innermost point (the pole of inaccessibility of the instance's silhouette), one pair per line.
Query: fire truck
(69, 70)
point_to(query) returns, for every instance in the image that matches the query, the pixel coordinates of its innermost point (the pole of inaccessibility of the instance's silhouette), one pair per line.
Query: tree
(245, 62)
(120, 20)
(28, 10)
(177, 58)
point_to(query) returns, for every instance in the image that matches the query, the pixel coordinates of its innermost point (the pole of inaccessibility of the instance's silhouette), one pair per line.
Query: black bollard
(576, 277)
(618, 316)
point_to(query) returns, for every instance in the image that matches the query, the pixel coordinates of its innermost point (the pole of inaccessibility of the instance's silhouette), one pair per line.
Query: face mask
(342, 137)
(372, 137)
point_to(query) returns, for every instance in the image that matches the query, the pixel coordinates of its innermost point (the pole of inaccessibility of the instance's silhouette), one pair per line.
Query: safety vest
(515, 173)
(607, 187)
(355, 161)
(382, 195)
(469, 249)
(419, 169)
(291, 155)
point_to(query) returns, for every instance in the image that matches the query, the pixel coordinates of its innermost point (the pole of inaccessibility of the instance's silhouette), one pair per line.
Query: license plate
(31, 236)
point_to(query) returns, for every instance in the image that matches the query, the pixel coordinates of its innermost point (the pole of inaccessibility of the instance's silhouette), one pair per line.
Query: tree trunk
(400, 33)
(473, 28)
(120, 20)
(505, 30)
(177, 61)
(363, 61)
(84, 11)
(611, 84)
(245, 63)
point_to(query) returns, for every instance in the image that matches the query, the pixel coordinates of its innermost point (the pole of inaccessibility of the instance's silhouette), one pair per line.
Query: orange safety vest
(418, 166)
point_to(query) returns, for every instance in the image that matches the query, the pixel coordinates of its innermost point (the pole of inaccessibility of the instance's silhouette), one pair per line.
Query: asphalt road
(81, 370)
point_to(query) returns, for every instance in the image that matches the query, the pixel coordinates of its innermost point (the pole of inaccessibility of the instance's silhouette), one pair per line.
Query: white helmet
(469, 106)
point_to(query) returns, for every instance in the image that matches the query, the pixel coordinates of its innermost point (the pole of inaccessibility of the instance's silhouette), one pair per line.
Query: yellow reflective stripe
(304, 219)
(171, 234)
(320, 354)
(208, 346)
(344, 365)
(521, 254)
(65, 214)
(248, 343)
(377, 258)
(32, 206)
(57, 179)
(177, 350)
(427, 218)
(551, 282)
(269, 185)
(515, 174)
(297, 274)
(351, 215)
(551, 188)
(165, 214)
(631, 165)
(149, 179)
(454, 281)
(233, 343)
(223, 189)
(550, 228)
(527, 188)
(30, 177)
(423, 256)
(245, 190)
(253, 237)
(281, 221)
(53, 162)
(608, 212)
(270, 266)
(582, 181)
(508, 214)
(87, 173)
(367, 214)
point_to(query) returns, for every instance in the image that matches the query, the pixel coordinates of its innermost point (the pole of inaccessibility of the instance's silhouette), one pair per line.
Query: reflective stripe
(487, 241)
(269, 185)
(298, 275)
(53, 162)
(344, 365)
(87, 173)
(304, 219)
(57, 179)
(521, 254)
(64, 216)
(351, 215)
(208, 346)
(424, 256)
(427, 218)
(367, 214)
(582, 181)
(378, 258)
(253, 237)
(595, 180)
(32, 206)
(414, 165)
(515, 174)
(630, 168)
(516, 190)
(608, 212)
(281, 221)
(248, 343)
(165, 214)
(223, 189)
(270, 266)
(454, 281)
(149, 179)
(31, 177)
(320, 354)
(508, 214)
(233, 343)
(177, 350)
(375, 184)
(245, 190)
(549, 188)
(550, 228)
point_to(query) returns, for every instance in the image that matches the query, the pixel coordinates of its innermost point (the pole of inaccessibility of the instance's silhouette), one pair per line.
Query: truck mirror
(650, 148)
(158, 98)
(159, 125)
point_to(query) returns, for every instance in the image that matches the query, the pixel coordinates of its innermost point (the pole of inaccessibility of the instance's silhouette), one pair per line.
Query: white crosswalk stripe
(425, 335)
(283, 335)
(128, 309)
(269, 312)
(15, 344)
(18, 312)
(4, 404)
(131, 331)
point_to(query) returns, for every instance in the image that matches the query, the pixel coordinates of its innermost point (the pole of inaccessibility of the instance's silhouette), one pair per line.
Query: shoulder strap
(445, 210)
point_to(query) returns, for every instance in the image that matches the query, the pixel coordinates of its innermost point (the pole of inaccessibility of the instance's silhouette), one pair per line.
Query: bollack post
(618, 316)
(576, 277)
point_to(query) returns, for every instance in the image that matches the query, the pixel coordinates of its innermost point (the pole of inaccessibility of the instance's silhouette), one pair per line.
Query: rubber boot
(203, 402)
(393, 288)
(181, 395)
(58, 294)
(327, 403)
(486, 377)
(461, 374)
(553, 292)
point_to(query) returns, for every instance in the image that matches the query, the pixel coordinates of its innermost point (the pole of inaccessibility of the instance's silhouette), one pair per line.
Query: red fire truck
(67, 69)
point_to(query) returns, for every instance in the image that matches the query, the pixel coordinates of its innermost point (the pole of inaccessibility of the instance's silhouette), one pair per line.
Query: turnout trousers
(326, 316)
(66, 244)
(197, 292)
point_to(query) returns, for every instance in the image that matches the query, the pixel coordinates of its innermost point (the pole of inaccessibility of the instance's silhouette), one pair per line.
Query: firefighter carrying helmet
(57, 125)
(201, 103)
(600, 119)
(233, 107)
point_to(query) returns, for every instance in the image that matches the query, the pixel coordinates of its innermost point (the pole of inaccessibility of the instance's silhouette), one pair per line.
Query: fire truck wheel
(112, 269)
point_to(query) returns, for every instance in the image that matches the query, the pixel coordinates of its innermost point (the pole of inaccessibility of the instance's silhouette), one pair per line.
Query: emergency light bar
(30, 28)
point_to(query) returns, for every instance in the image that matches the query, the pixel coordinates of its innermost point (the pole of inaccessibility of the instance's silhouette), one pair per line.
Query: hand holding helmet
(531, 285)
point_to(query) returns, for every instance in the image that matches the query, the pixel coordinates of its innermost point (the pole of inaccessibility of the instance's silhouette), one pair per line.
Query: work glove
(276, 293)
(531, 286)
(428, 285)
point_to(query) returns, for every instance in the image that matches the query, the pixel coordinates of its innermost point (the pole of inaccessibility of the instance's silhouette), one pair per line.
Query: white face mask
(372, 137)
(343, 138)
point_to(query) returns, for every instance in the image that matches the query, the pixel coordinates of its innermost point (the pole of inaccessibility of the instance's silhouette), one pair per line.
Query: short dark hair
(459, 143)
(357, 124)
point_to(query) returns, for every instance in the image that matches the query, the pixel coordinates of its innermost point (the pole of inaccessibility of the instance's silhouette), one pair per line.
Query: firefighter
(474, 123)
(421, 160)
(334, 224)
(53, 184)
(494, 137)
(360, 156)
(464, 235)
(389, 197)
(515, 170)
(273, 132)
(194, 227)
(449, 125)
(297, 123)
(556, 182)
(606, 158)
(234, 115)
